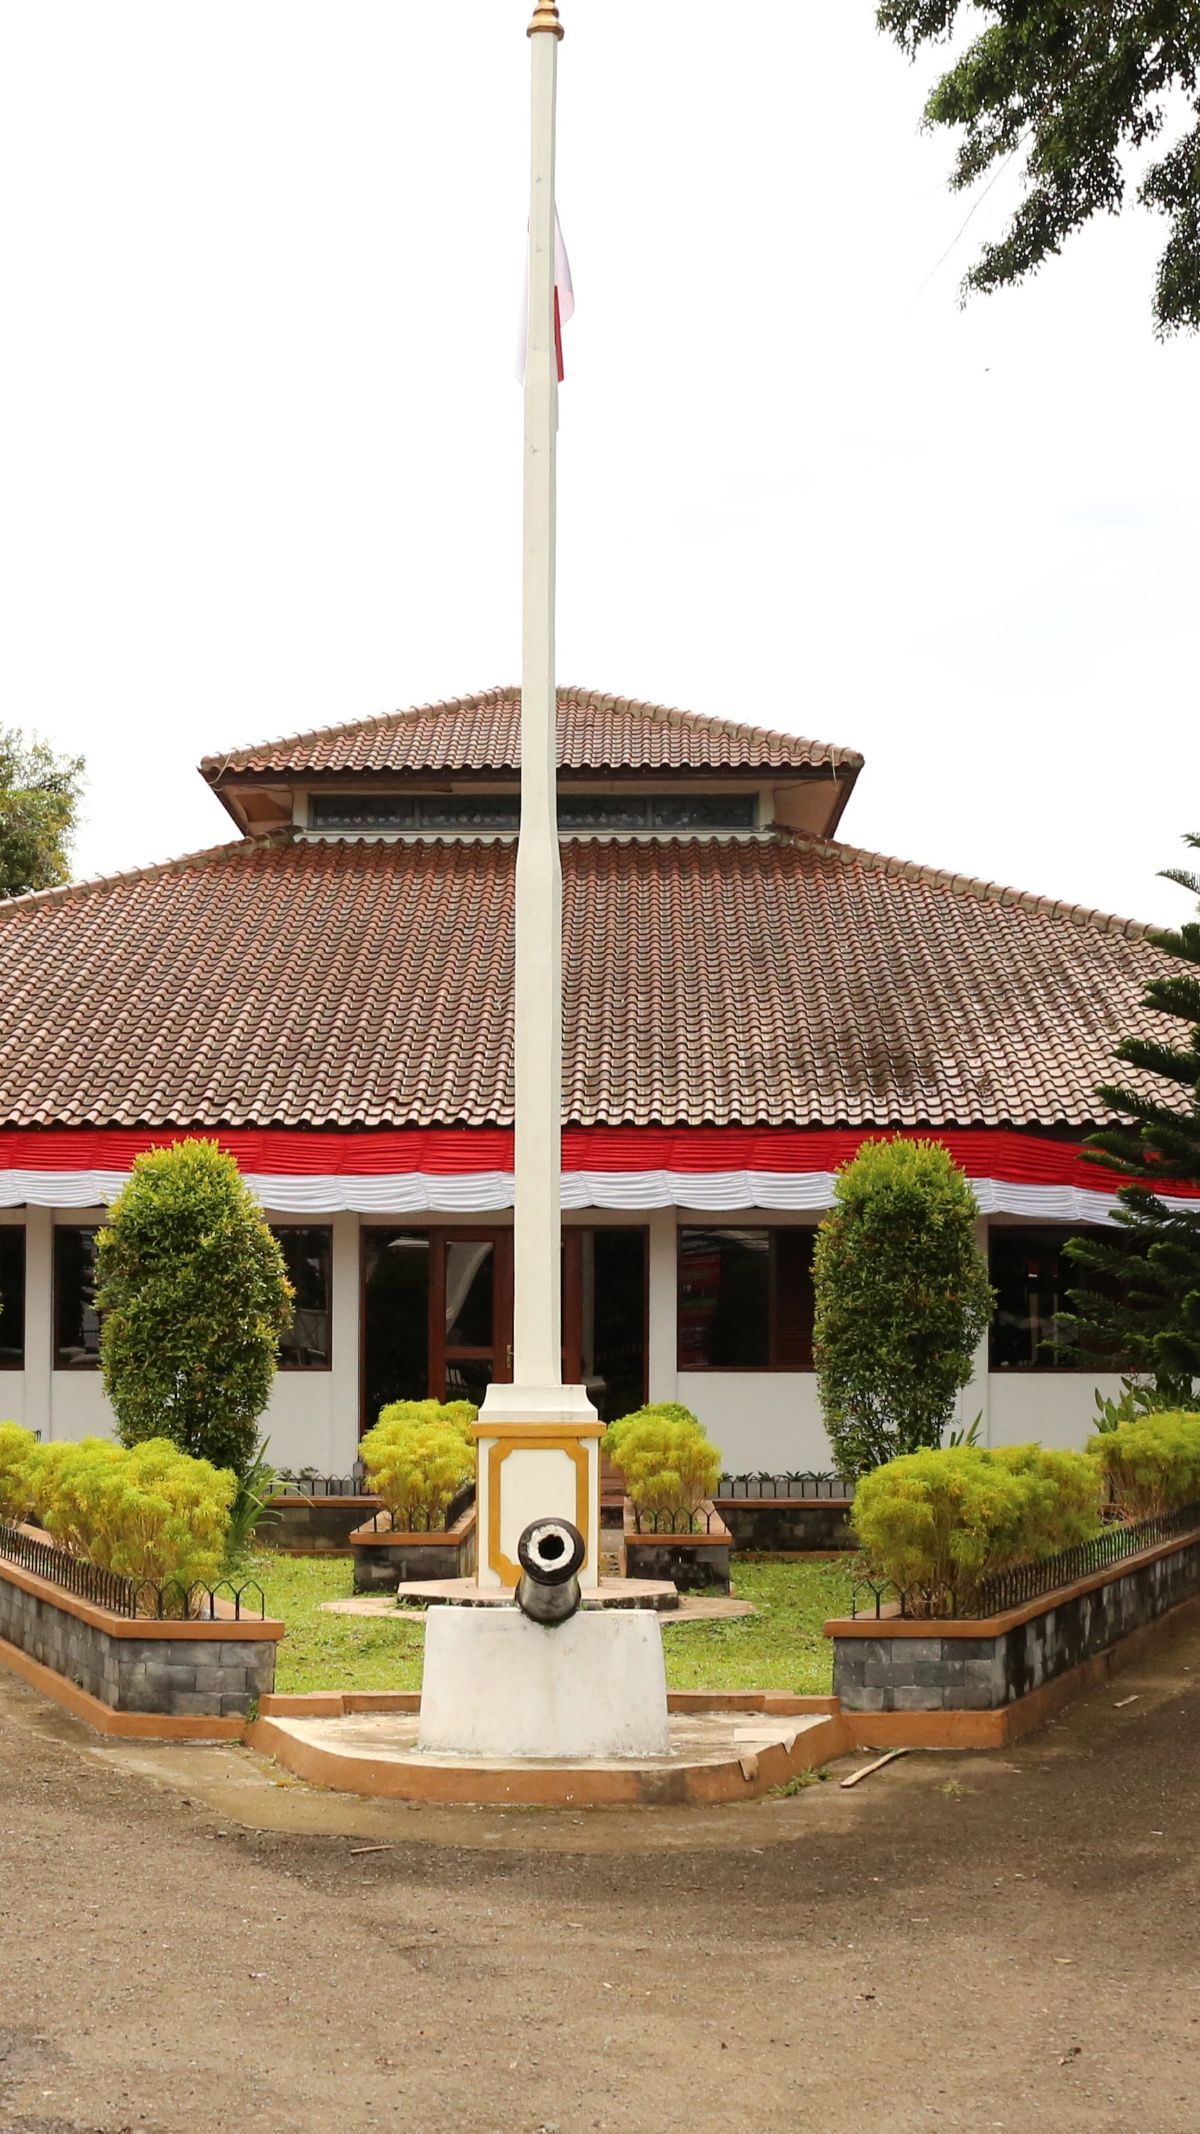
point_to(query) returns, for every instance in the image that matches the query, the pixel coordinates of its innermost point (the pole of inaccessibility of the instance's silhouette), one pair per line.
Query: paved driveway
(1004, 1942)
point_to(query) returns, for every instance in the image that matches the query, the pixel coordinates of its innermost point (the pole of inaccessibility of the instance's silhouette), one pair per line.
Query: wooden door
(470, 1312)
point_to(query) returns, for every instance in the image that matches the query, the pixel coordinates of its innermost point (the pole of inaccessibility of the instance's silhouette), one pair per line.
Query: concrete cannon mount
(721, 1747)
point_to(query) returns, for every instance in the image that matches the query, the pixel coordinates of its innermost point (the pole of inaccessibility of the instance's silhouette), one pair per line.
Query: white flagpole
(538, 1438)
(537, 1310)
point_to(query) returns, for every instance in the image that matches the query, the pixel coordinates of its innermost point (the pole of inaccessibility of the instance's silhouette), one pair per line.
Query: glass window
(492, 811)
(502, 811)
(396, 1271)
(603, 811)
(361, 811)
(1032, 1278)
(745, 1299)
(604, 1316)
(12, 1296)
(703, 811)
(76, 1320)
(307, 1255)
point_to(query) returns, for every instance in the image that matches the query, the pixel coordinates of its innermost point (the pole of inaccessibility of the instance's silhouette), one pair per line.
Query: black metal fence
(419, 1518)
(678, 1519)
(308, 1483)
(129, 1596)
(1026, 1581)
(797, 1487)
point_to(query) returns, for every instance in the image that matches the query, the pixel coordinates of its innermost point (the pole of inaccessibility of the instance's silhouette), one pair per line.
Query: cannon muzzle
(550, 1553)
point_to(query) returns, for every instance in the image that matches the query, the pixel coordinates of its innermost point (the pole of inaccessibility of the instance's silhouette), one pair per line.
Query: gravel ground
(991, 1943)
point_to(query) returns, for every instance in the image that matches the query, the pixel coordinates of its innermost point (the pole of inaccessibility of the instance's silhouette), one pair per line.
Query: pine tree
(1145, 1305)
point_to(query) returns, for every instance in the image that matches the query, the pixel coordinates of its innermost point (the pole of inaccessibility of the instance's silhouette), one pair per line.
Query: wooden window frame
(88, 1363)
(772, 1368)
(22, 1229)
(1063, 1231)
(305, 1370)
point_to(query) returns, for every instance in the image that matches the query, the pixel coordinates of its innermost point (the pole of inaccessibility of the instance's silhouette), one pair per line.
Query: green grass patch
(780, 1647)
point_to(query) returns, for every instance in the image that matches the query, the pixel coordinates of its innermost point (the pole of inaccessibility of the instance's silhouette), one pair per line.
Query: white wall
(1056, 1408)
(759, 1419)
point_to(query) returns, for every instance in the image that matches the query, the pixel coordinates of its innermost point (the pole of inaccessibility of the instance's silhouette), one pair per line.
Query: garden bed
(386, 1557)
(134, 1674)
(929, 1677)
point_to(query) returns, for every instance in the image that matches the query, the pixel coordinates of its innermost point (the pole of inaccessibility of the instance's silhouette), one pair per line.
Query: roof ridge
(213, 765)
(475, 699)
(63, 891)
(1083, 915)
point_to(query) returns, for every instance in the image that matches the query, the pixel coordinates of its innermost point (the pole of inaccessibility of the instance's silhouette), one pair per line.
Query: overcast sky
(260, 462)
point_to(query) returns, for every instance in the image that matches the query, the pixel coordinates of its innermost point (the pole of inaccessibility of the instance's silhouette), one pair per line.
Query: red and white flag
(564, 304)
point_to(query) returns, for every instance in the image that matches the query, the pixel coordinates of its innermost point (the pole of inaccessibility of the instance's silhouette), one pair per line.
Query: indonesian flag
(564, 304)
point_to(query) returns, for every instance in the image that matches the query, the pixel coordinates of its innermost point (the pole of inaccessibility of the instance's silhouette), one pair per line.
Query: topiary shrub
(418, 1457)
(17, 1447)
(456, 1414)
(1152, 1465)
(938, 1522)
(665, 1458)
(194, 1295)
(147, 1512)
(902, 1298)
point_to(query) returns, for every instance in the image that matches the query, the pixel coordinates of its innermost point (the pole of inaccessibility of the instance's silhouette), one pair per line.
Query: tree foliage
(1079, 86)
(39, 799)
(194, 1297)
(1145, 1304)
(902, 1298)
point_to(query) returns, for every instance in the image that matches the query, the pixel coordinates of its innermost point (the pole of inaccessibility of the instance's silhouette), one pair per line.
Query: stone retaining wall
(915, 1667)
(385, 1561)
(193, 1670)
(695, 1563)
(788, 1525)
(315, 1526)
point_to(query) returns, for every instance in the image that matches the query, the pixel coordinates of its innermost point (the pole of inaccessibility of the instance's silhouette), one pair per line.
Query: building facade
(748, 997)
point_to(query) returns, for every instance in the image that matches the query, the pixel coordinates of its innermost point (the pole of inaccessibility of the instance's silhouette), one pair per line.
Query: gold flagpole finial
(545, 17)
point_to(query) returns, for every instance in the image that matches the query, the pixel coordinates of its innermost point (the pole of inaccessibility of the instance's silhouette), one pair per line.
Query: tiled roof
(482, 733)
(761, 982)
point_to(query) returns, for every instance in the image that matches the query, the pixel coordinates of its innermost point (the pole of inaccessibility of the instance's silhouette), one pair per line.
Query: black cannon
(550, 1553)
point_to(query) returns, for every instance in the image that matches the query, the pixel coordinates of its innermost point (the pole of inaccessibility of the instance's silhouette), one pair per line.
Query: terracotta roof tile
(482, 733)
(761, 982)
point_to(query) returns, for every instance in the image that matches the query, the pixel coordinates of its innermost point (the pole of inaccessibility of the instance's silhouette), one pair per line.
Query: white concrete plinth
(497, 1685)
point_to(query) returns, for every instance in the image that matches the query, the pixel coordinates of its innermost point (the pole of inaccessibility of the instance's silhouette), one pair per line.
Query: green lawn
(781, 1647)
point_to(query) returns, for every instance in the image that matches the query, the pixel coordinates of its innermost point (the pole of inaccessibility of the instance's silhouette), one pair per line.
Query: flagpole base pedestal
(539, 1458)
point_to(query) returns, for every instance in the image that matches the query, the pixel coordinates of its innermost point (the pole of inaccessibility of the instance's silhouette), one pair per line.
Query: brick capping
(248, 1630)
(389, 1537)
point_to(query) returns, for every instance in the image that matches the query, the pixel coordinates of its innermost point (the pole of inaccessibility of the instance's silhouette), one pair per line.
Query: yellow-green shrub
(943, 1520)
(1064, 1494)
(149, 1512)
(1153, 1464)
(457, 1414)
(17, 1447)
(418, 1457)
(666, 1460)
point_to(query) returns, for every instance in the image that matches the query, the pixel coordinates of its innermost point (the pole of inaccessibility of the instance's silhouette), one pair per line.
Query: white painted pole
(538, 1440)
(537, 1309)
